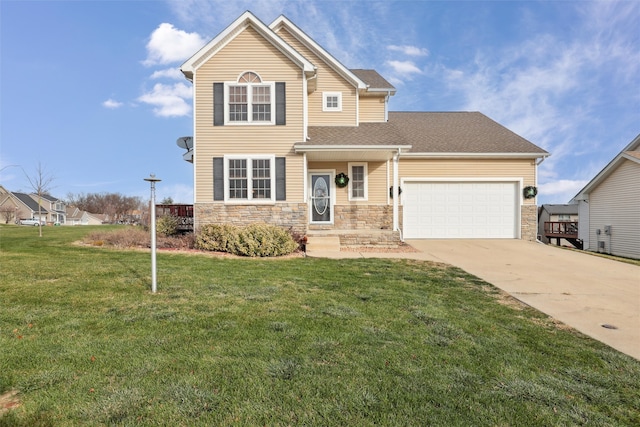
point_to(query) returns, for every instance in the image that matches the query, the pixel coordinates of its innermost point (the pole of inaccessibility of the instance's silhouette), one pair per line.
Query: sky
(91, 90)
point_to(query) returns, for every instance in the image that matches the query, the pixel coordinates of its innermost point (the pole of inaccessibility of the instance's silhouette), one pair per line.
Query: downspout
(195, 179)
(396, 222)
(386, 106)
(537, 162)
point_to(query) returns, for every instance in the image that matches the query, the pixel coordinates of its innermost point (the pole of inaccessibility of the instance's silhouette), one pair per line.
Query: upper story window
(331, 101)
(250, 100)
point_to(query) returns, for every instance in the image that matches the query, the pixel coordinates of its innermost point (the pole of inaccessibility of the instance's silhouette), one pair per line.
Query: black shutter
(281, 104)
(281, 178)
(218, 178)
(218, 104)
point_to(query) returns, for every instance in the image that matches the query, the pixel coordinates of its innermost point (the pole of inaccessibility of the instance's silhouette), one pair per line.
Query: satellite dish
(185, 142)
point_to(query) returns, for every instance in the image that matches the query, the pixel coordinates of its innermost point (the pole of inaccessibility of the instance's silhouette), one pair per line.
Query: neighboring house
(56, 208)
(280, 125)
(9, 209)
(559, 224)
(75, 216)
(25, 206)
(609, 206)
(52, 210)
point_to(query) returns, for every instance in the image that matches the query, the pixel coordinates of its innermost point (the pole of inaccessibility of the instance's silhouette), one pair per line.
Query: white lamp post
(152, 179)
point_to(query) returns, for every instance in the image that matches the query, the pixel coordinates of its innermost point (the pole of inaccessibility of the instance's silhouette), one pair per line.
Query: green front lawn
(277, 342)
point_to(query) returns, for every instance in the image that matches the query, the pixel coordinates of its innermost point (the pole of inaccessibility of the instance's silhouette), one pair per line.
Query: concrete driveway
(579, 289)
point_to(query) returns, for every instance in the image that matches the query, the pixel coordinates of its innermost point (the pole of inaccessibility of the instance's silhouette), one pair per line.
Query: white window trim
(325, 95)
(366, 181)
(271, 85)
(249, 158)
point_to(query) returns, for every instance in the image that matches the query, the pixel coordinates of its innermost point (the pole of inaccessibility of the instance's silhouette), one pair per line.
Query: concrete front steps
(323, 243)
(333, 240)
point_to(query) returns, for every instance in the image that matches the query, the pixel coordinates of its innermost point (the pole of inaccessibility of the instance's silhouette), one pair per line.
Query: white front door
(321, 200)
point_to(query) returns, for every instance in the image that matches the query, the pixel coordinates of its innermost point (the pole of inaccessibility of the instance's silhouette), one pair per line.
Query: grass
(297, 341)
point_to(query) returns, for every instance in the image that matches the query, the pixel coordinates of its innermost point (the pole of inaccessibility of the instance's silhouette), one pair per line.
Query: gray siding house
(609, 206)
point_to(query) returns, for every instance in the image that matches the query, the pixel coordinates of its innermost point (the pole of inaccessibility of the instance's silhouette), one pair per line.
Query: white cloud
(562, 190)
(409, 50)
(169, 73)
(112, 104)
(169, 100)
(404, 67)
(168, 45)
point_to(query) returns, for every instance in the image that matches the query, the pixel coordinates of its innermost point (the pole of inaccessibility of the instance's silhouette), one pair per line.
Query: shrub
(138, 237)
(123, 238)
(216, 237)
(262, 240)
(167, 225)
(255, 240)
(179, 241)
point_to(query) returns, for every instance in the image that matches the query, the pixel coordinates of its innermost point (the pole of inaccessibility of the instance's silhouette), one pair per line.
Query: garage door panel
(460, 209)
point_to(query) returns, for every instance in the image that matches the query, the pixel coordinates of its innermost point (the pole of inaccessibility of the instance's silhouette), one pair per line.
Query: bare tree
(8, 213)
(40, 183)
(117, 206)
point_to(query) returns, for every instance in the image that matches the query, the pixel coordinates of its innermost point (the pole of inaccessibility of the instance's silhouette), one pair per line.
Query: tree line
(116, 205)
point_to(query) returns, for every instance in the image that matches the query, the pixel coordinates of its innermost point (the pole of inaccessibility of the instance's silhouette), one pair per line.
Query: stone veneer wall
(292, 216)
(359, 217)
(529, 222)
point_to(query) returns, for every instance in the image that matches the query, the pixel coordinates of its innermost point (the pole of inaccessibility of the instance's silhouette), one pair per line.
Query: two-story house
(56, 208)
(286, 134)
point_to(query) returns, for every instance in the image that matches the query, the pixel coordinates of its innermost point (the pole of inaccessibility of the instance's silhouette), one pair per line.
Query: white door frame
(332, 193)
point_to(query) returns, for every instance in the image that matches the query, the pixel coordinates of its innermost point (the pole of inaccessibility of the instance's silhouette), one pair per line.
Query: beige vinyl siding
(376, 181)
(469, 168)
(372, 109)
(327, 81)
(616, 202)
(247, 52)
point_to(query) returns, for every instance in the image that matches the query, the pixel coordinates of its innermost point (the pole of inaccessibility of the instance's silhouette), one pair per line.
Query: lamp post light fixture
(152, 180)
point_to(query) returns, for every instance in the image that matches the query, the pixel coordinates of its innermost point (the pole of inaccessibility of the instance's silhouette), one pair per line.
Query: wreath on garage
(530, 192)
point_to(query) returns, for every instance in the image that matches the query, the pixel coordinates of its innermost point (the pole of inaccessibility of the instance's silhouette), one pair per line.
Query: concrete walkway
(578, 289)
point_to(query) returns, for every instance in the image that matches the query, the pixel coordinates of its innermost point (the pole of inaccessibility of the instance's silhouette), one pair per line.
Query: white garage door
(460, 210)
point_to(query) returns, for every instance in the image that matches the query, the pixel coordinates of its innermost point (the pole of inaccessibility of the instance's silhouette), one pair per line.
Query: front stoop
(323, 244)
(333, 240)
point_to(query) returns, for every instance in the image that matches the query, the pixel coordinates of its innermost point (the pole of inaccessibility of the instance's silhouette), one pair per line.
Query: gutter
(441, 155)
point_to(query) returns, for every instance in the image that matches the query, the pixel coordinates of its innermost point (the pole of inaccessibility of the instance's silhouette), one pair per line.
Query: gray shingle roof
(29, 202)
(438, 133)
(561, 209)
(372, 79)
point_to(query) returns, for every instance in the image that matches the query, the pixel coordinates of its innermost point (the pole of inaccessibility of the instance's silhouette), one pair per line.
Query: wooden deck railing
(566, 229)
